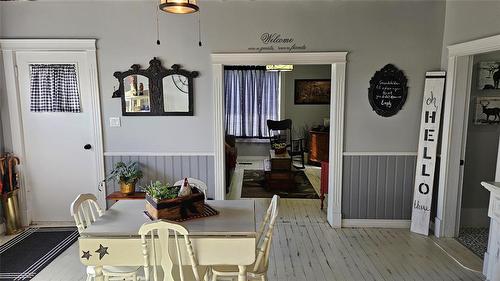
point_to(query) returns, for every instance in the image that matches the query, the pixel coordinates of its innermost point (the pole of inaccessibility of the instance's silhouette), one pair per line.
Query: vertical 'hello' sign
(427, 147)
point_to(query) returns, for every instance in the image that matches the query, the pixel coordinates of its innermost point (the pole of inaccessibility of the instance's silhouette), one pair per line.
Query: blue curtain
(251, 98)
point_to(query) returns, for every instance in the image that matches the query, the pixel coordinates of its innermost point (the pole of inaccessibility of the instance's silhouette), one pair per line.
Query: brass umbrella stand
(9, 190)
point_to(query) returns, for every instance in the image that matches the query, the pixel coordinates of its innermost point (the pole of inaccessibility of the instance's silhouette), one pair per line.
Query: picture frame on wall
(487, 110)
(488, 75)
(312, 91)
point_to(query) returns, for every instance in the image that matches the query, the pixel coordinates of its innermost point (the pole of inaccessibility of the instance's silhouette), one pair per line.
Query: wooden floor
(305, 247)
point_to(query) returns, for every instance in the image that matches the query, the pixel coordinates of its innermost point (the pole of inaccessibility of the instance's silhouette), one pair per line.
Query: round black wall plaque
(388, 91)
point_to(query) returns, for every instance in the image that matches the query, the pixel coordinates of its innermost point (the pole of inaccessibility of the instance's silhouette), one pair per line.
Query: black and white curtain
(54, 88)
(251, 98)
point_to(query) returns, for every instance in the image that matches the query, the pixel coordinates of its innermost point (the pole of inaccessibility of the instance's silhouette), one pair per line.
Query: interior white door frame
(457, 92)
(338, 63)
(9, 47)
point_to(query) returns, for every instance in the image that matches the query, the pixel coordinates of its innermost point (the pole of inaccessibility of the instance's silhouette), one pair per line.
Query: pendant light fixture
(179, 6)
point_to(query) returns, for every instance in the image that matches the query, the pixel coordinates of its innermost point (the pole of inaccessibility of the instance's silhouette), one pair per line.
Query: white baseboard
(376, 223)
(474, 217)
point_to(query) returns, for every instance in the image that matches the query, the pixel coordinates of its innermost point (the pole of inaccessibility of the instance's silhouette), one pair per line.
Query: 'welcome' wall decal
(427, 147)
(277, 42)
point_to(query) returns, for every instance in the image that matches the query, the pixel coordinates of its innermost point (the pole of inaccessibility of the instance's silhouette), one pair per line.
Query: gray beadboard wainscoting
(378, 186)
(166, 169)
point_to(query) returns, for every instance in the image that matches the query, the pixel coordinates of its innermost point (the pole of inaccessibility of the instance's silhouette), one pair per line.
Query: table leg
(98, 273)
(242, 273)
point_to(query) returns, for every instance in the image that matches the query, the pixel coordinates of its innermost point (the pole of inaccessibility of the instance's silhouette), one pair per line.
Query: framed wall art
(312, 91)
(488, 75)
(487, 110)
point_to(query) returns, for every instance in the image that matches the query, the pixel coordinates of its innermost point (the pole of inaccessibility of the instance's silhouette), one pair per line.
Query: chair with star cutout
(85, 210)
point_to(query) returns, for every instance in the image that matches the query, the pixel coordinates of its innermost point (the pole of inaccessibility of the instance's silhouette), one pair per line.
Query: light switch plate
(114, 122)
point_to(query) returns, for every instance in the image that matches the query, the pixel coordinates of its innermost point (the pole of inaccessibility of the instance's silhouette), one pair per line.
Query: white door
(60, 159)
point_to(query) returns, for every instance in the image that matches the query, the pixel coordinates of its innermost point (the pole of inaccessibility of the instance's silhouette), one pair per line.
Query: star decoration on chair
(102, 251)
(86, 255)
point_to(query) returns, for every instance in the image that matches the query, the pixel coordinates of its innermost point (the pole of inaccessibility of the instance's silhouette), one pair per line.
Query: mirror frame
(155, 74)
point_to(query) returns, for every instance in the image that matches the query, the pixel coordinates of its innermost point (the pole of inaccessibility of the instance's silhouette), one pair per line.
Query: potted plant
(279, 147)
(163, 201)
(126, 175)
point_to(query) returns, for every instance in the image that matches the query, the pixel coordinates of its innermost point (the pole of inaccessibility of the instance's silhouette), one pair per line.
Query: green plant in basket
(160, 191)
(125, 173)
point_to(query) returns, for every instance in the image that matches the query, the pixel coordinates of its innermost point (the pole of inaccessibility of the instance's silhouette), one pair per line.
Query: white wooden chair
(258, 270)
(166, 236)
(196, 183)
(85, 210)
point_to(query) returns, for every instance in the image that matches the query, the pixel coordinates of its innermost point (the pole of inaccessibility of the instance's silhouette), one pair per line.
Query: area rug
(254, 186)
(475, 239)
(28, 253)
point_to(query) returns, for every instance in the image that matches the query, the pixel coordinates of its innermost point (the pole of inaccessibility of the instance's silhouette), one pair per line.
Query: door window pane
(54, 88)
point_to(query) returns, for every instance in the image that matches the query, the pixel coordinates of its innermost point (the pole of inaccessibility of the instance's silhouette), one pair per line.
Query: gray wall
(167, 169)
(375, 33)
(480, 154)
(304, 115)
(469, 20)
(405, 33)
(378, 187)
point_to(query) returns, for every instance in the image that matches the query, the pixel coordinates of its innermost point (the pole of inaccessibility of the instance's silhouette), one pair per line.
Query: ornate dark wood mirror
(156, 91)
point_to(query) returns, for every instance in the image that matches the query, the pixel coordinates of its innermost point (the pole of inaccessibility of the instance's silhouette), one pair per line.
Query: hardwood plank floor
(305, 247)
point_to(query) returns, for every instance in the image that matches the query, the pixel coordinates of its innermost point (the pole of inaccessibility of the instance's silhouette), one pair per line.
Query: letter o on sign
(423, 188)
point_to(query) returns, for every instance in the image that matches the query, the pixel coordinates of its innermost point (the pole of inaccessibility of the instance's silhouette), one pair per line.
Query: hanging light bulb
(179, 6)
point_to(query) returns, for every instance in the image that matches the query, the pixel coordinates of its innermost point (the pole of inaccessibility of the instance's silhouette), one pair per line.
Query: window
(251, 98)
(54, 88)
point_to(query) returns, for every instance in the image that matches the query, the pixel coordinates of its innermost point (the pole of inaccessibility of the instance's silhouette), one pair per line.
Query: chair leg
(106, 278)
(89, 278)
(214, 276)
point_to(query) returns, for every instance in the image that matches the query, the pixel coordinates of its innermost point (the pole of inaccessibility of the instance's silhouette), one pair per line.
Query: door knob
(87, 146)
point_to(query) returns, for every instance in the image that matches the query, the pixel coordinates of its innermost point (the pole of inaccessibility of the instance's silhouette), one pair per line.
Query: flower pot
(127, 187)
(280, 151)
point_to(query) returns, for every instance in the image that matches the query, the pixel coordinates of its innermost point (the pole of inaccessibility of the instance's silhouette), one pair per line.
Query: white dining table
(225, 239)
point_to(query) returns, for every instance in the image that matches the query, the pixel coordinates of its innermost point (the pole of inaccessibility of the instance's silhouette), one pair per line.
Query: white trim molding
(48, 44)
(338, 62)
(483, 45)
(460, 57)
(9, 48)
(376, 223)
(151, 153)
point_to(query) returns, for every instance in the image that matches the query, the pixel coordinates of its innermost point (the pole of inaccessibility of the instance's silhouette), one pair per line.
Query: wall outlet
(114, 122)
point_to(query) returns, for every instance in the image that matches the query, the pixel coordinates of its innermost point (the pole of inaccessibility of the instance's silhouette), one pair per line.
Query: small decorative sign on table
(427, 148)
(388, 91)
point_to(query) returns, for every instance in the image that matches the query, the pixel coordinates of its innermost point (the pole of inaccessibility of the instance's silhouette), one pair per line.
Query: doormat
(254, 184)
(28, 253)
(474, 239)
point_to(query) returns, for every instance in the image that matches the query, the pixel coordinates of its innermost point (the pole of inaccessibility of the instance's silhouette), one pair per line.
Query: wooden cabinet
(318, 147)
(492, 256)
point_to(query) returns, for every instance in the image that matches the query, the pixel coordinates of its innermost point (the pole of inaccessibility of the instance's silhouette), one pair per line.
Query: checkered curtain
(54, 88)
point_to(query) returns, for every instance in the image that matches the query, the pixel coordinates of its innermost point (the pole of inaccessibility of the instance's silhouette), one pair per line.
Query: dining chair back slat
(265, 237)
(162, 233)
(85, 210)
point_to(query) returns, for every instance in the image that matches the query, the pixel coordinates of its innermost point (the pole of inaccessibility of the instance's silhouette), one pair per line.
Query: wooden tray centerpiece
(176, 203)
